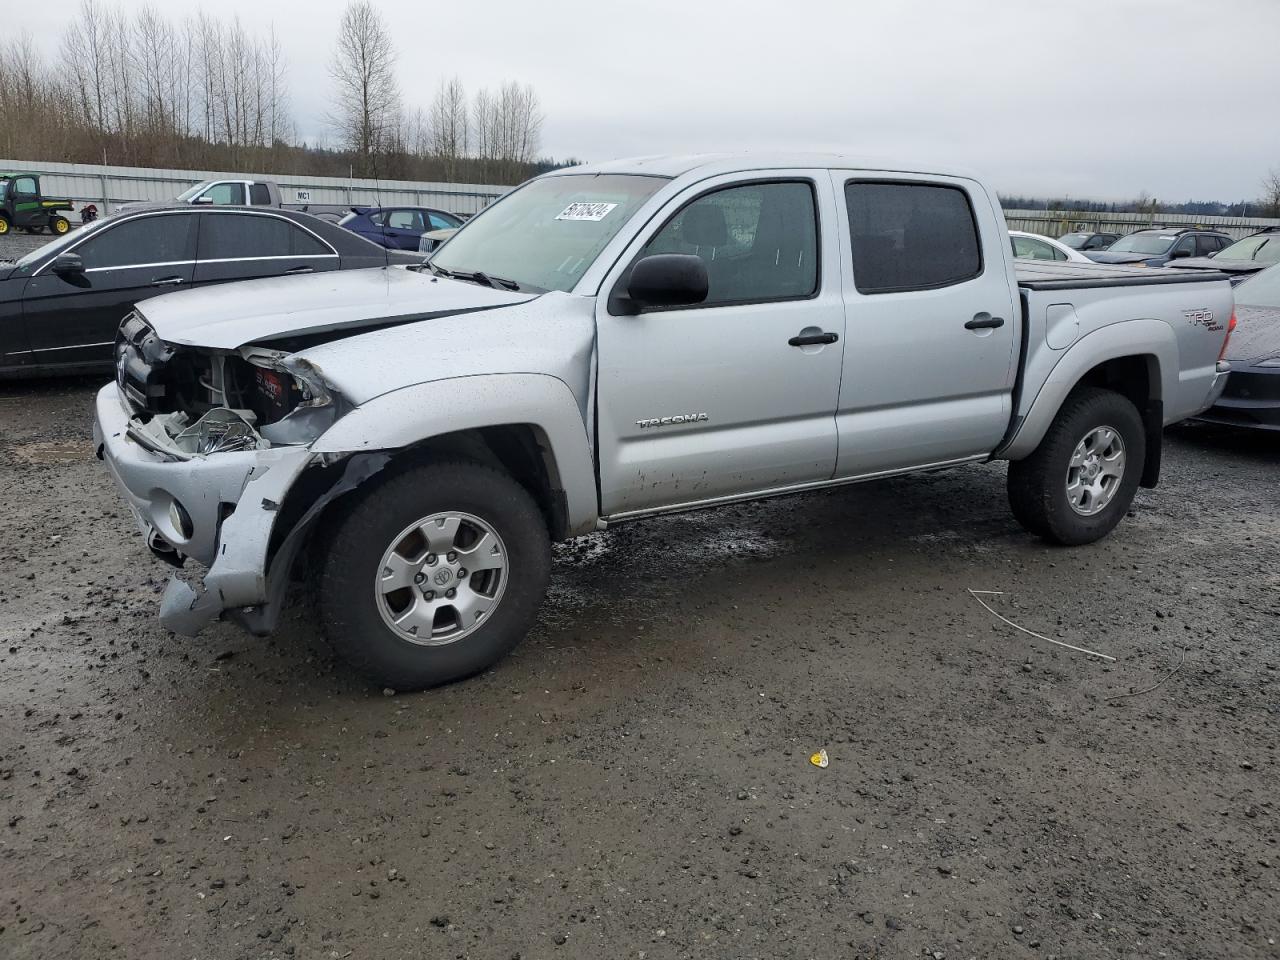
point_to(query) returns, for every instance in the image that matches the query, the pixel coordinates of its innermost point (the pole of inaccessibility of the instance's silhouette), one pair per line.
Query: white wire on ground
(1038, 636)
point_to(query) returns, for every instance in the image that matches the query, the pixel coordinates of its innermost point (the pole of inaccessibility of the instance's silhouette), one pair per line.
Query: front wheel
(1079, 482)
(434, 574)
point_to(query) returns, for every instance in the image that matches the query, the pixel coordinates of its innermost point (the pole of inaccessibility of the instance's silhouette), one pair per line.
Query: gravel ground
(18, 242)
(634, 781)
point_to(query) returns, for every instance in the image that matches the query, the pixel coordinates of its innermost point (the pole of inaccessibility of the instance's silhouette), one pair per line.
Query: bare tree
(1271, 194)
(449, 127)
(367, 107)
(84, 55)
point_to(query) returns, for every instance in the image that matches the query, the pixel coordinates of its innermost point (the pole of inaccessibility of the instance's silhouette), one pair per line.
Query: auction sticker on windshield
(586, 211)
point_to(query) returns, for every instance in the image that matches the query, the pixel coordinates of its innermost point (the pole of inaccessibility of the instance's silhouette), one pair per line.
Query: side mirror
(1179, 254)
(68, 265)
(203, 199)
(668, 280)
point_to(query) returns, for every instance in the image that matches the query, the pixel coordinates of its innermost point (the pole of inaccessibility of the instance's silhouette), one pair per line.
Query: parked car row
(1186, 248)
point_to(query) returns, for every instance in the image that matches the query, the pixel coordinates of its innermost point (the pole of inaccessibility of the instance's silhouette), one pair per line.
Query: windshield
(348, 218)
(546, 233)
(1261, 290)
(56, 246)
(1075, 240)
(1264, 248)
(190, 192)
(1142, 243)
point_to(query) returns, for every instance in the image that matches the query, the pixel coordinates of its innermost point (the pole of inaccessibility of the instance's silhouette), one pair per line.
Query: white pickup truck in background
(224, 191)
(617, 341)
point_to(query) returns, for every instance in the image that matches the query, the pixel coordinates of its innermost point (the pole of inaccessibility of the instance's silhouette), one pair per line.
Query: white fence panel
(108, 186)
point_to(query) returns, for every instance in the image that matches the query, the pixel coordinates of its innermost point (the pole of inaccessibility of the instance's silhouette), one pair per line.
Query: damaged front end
(210, 448)
(191, 402)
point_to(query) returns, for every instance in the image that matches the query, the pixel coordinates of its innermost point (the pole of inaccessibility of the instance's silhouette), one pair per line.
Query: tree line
(1267, 204)
(144, 90)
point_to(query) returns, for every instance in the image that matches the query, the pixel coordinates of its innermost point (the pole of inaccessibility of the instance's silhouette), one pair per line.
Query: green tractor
(22, 205)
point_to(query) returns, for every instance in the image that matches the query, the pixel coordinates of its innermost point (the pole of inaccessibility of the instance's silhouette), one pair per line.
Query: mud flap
(1153, 427)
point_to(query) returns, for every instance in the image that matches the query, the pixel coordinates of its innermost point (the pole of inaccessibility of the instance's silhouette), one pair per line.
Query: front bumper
(1251, 399)
(232, 500)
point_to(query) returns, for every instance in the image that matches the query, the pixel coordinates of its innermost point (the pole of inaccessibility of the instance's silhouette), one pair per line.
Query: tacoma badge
(669, 421)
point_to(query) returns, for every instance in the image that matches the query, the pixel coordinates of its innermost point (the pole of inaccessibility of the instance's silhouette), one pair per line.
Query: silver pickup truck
(611, 342)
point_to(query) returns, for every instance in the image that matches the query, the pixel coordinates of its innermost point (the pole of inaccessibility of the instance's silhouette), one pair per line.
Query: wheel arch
(529, 425)
(1136, 359)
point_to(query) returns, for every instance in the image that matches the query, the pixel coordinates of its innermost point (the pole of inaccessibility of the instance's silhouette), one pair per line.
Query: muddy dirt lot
(634, 781)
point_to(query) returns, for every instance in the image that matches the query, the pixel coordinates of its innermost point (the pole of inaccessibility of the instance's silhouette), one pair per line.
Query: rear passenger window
(259, 195)
(247, 236)
(759, 241)
(911, 236)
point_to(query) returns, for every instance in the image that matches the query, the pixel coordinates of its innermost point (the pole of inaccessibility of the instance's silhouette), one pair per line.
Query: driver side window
(759, 241)
(226, 194)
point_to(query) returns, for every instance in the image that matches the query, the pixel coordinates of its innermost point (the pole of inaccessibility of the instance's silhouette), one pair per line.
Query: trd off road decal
(1202, 317)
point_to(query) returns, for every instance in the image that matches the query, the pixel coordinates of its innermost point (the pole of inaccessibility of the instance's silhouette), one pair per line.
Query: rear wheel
(59, 225)
(4, 225)
(1079, 482)
(434, 574)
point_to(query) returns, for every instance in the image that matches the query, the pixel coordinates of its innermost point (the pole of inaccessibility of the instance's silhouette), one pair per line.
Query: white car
(1032, 246)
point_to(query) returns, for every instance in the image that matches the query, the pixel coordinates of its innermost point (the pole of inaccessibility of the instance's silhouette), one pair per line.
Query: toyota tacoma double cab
(612, 342)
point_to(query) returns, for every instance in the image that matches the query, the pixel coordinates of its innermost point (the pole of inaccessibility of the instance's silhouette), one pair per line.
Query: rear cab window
(911, 236)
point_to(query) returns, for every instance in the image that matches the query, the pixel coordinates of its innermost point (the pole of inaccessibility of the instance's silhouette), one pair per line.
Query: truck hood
(1216, 263)
(1106, 256)
(1257, 334)
(313, 307)
(553, 334)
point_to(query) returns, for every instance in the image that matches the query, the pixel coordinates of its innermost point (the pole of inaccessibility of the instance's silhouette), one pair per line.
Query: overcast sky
(1096, 98)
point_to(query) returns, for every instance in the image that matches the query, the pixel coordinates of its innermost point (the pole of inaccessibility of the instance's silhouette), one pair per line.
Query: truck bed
(1053, 275)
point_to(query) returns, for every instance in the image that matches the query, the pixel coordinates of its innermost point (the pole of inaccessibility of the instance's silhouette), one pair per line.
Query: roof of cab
(713, 164)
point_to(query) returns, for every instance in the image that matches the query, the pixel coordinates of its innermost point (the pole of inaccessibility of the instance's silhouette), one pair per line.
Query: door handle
(984, 321)
(167, 282)
(813, 339)
(299, 270)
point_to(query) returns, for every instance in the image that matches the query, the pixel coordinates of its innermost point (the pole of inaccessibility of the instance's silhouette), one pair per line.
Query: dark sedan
(1243, 258)
(60, 305)
(1252, 395)
(397, 228)
(1155, 248)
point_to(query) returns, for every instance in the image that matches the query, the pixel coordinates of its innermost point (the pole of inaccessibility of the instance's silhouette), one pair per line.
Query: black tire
(59, 226)
(1037, 485)
(4, 225)
(350, 612)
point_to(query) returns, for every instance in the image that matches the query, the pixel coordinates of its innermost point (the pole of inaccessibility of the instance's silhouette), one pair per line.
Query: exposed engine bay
(195, 402)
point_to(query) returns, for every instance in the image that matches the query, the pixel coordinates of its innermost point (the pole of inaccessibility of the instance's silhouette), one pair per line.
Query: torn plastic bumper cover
(241, 583)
